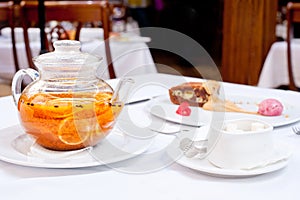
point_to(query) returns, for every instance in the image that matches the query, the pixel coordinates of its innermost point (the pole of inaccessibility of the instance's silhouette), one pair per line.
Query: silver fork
(296, 130)
(192, 148)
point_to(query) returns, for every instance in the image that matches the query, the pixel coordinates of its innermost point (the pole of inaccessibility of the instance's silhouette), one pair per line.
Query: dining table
(149, 170)
(130, 52)
(274, 71)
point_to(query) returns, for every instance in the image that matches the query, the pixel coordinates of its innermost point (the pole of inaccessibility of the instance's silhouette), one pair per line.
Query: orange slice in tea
(103, 96)
(74, 132)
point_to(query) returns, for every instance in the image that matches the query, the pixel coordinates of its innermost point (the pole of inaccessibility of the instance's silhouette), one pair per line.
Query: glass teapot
(67, 106)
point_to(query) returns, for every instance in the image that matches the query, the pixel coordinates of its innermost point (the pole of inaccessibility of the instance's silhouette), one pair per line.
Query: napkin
(281, 152)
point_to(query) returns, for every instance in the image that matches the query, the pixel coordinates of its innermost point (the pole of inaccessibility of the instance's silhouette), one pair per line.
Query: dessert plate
(18, 148)
(282, 152)
(163, 108)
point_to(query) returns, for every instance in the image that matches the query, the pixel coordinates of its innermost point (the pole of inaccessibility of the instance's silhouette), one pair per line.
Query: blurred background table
(130, 55)
(275, 71)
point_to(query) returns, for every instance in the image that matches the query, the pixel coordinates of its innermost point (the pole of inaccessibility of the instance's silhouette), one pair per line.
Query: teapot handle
(16, 85)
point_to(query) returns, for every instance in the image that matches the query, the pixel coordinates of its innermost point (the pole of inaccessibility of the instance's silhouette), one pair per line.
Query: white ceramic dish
(282, 152)
(242, 144)
(163, 108)
(115, 147)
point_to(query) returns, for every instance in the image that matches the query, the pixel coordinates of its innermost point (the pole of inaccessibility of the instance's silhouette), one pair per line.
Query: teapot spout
(121, 94)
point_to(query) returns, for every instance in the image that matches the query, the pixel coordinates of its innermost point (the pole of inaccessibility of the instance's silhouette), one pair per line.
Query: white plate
(204, 166)
(163, 108)
(115, 147)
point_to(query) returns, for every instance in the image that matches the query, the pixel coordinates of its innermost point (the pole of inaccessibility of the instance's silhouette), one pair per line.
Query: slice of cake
(195, 93)
(207, 96)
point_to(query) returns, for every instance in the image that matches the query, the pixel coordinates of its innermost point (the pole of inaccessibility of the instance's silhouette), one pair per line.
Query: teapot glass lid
(67, 54)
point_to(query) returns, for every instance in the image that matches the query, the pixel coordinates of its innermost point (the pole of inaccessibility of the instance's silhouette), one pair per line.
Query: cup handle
(16, 85)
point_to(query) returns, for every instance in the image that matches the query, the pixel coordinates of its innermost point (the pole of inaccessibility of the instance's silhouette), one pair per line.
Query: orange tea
(67, 121)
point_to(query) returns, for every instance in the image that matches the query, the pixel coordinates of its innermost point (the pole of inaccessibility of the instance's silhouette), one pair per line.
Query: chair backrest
(77, 12)
(7, 16)
(4, 14)
(293, 16)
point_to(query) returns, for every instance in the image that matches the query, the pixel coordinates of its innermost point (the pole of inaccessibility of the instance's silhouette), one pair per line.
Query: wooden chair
(8, 12)
(293, 16)
(4, 14)
(77, 12)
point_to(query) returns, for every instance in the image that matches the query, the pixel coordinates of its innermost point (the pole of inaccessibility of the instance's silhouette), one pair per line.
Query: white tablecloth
(170, 182)
(128, 57)
(275, 71)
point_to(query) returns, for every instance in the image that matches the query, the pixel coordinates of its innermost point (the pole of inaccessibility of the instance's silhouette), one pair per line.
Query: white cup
(242, 144)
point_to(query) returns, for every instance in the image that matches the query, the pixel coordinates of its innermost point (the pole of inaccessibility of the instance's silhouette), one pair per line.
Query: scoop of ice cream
(270, 107)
